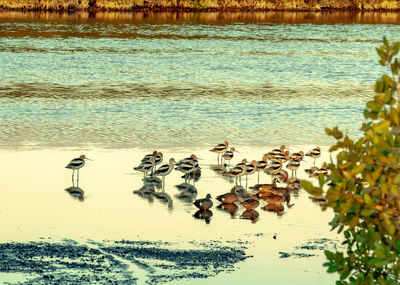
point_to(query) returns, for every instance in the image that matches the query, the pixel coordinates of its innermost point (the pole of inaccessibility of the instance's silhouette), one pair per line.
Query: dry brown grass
(204, 5)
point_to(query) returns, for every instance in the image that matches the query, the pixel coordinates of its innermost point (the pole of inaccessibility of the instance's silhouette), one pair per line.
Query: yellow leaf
(397, 178)
(368, 200)
(393, 190)
(346, 165)
(377, 173)
(359, 168)
(370, 179)
(381, 126)
(347, 175)
(358, 198)
(394, 115)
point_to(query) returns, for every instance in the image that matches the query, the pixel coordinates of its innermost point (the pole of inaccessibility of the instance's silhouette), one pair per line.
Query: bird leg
(73, 182)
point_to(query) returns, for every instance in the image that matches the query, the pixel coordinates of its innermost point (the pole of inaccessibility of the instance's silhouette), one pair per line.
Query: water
(117, 86)
(127, 80)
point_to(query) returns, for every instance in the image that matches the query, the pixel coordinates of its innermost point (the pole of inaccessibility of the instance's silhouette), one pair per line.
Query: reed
(200, 5)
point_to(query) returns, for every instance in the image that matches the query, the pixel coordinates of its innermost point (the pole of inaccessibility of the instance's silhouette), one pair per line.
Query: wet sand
(115, 234)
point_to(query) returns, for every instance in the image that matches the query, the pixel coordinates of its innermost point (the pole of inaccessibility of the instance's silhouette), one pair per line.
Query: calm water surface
(117, 86)
(136, 80)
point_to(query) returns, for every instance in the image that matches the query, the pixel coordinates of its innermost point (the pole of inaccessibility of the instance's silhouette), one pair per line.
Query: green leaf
(395, 49)
(376, 261)
(345, 273)
(316, 191)
(367, 212)
(385, 41)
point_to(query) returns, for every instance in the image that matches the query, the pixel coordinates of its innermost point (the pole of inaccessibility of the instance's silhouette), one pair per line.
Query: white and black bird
(158, 159)
(228, 155)
(220, 148)
(76, 164)
(187, 168)
(165, 169)
(314, 153)
(293, 165)
(182, 161)
(237, 172)
(147, 156)
(277, 151)
(296, 156)
(145, 166)
(261, 165)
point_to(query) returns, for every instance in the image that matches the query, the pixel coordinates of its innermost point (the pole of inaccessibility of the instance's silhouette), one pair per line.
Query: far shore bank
(201, 5)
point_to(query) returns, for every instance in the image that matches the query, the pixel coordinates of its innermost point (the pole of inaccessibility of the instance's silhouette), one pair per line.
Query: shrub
(363, 186)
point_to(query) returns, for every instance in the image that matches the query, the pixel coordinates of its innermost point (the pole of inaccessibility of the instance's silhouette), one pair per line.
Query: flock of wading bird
(272, 163)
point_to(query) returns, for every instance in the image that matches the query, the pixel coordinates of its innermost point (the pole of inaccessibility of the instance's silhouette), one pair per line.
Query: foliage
(363, 186)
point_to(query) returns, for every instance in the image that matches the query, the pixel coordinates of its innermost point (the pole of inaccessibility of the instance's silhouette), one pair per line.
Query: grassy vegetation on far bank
(201, 5)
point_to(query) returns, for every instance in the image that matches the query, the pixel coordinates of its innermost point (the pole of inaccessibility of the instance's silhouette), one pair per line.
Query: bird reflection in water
(76, 192)
(230, 208)
(222, 170)
(194, 175)
(250, 215)
(276, 208)
(204, 215)
(153, 181)
(187, 192)
(164, 198)
(146, 191)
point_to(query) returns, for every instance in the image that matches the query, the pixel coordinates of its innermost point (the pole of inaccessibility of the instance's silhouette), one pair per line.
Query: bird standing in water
(220, 148)
(76, 164)
(314, 153)
(228, 155)
(164, 170)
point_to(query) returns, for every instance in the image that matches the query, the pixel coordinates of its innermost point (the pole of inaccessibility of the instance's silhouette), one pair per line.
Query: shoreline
(199, 6)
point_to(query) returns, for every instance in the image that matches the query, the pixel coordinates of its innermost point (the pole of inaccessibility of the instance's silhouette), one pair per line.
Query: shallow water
(137, 81)
(37, 207)
(118, 86)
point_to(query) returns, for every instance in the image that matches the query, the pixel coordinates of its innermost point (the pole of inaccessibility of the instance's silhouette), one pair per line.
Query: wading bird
(228, 155)
(145, 166)
(164, 170)
(314, 153)
(76, 164)
(220, 148)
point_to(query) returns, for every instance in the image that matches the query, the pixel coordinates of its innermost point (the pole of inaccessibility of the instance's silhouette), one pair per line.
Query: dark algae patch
(115, 262)
(61, 263)
(166, 264)
(310, 248)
